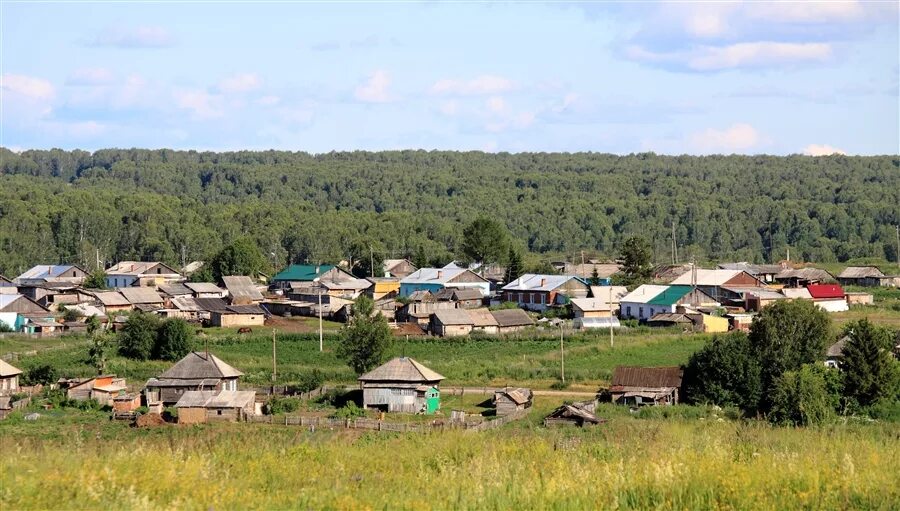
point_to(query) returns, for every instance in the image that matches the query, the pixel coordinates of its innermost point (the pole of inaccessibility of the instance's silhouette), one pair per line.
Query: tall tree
(241, 257)
(367, 256)
(871, 372)
(366, 338)
(420, 258)
(484, 241)
(515, 266)
(786, 335)
(726, 372)
(96, 280)
(636, 257)
(174, 339)
(138, 336)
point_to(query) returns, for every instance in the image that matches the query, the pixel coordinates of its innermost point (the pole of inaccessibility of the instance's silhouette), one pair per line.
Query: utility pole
(583, 269)
(321, 344)
(897, 227)
(274, 366)
(98, 259)
(611, 341)
(674, 249)
(562, 355)
(371, 262)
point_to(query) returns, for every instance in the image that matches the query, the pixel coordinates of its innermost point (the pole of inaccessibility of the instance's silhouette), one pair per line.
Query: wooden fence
(378, 425)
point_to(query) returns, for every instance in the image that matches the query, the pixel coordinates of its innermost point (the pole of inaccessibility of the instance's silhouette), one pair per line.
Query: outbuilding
(199, 406)
(401, 385)
(639, 386)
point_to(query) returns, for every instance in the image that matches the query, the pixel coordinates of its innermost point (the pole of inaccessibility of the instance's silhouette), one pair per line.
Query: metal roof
(825, 291)
(214, 399)
(798, 292)
(175, 289)
(536, 282)
(643, 294)
(240, 286)
(612, 322)
(805, 274)
(204, 287)
(243, 309)
(591, 304)
(453, 317)
(7, 370)
(111, 298)
(401, 369)
(199, 365)
(140, 295)
(435, 276)
(47, 271)
(860, 272)
(603, 292)
(752, 269)
(670, 295)
(706, 277)
(646, 377)
(302, 272)
(135, 268)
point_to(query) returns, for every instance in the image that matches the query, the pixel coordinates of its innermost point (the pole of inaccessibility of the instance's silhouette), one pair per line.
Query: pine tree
(870, 370)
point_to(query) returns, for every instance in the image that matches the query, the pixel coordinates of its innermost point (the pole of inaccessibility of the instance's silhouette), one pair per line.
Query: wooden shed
(575, 414)
(198, 370)
(9, 379)
(451, 323)
(198, 406)
(645, 385)
(237, 316)
(512, 400)
(401, 385)
(512, 320)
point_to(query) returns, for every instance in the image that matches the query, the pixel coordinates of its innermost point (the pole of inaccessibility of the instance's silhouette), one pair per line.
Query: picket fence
(378, 425)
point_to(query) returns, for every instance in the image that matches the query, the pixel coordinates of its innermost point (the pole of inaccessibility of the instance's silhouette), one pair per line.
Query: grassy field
(489, 361)
(80, 460)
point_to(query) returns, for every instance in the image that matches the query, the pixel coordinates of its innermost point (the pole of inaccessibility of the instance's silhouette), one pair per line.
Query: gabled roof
(204, 287)
(200, 365)
(821, 291)
(5, 281)
(7, 300)
(646, 377)
(436, 276)
(670, 296)
(136, 268)
(805, 274)
(47, 271)
(453, 317)
(643, 294)
(836, 350)
(458, 294)
(240, 286)
(211, 304)
(753, 269)
(603, 292)
(706, 277)
(7, 370)
(302, 272)
(140, 295)
(186, 304)
(797, 293)
(512, 317)
(535, 282)
(860, 272)
(591, 304)
(482, 318)
(243, 309)
(216, 399)
(86, 310)
(422, 295)
(111, 298)
(175, 289)
(519, 396)
(401, 369)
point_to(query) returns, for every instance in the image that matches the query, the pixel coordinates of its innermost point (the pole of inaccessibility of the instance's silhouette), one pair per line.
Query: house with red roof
(830, 297)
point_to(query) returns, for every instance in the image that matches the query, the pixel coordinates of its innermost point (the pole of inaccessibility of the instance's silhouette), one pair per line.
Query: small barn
(512, 400)
(862, 276)
(242, 290)
(645, 385)
(401, 385)
(101, 389)
(198, 370)
(579, 414)
(206, 290)
(199, 406)
(451, 323)
(483, 321)
(829, 297)
(512, 320)
(237, 316)
(9, 379)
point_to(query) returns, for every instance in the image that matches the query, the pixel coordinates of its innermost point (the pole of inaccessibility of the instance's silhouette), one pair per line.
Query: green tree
(241, 257)
(367, 337)
(726, 372)
(40, 375)
(97, 350)
(801, 397)
(595, 277)
(484, 241)
(420, 257)
(96, 280)
(368, 258)
(515, 266)
(174, 340)
(870, 370)
(636, 257)
(138, 336)
(204, 274)
(786, 335)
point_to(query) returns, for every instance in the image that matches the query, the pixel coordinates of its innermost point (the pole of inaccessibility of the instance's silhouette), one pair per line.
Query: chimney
(543, 282)
(440, 274)
(317, 269)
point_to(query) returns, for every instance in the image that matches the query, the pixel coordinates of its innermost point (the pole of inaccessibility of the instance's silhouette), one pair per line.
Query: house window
(628, 310)
(218, 412)
(521, 297)
(641, 312)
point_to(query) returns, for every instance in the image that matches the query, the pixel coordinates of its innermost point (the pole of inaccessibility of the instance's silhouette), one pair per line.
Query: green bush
(725, 372)
(349, 411)
(802, 398)
(277, 405)
(40, 375)
(559, 385)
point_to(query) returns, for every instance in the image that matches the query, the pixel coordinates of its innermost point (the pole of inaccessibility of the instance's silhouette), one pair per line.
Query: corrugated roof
(140, 295)
(47, 271)
(591, 304)
(670, 296)
(245, 309)
(512, 317)
(646, 377)
(752, 269)
(603, 292)
(759, 292)
(482, 318)
(135, 268)
(302, 272)
(175, 289)
(204, 287)
(435, 276)
(453, 317)
(574, 412)
(214, 399)
(212, 304)
(643, 294)
(7, 370)
(536, 282)
(197, 365)
(665, 317)
(519, 396)
(797, 293)
(240, 286)
(186, 304)
(111, 298)
(860, 272)
(705, 277)
(401, 369)
(820, 291)
(805, 274)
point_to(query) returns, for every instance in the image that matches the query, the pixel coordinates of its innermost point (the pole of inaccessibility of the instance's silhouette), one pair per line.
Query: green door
(432, 400)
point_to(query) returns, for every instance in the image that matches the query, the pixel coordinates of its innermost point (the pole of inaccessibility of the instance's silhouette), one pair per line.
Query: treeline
(66, 206)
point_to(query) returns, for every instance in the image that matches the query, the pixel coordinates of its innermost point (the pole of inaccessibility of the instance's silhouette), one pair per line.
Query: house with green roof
(643, 304)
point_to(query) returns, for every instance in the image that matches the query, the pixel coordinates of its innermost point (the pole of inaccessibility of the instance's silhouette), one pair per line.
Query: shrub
(559, 385)
(4, 328)
(277, 405)
(138, 336)
(40, 375)
(801, 397)
(174, 339)
(310, 381)
(349, 411)
(725, 372)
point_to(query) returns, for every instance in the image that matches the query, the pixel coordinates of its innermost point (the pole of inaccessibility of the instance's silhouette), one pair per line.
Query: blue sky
(674, 78)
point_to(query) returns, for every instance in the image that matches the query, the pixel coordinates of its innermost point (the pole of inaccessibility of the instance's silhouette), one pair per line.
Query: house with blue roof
(537, 292)
(436, 279)
(48, 273)
(648, 300)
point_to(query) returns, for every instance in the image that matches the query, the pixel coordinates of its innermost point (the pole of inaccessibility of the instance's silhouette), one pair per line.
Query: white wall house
(635, 305)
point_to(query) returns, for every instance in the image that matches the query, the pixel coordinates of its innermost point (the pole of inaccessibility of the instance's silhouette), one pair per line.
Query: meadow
(692, 459)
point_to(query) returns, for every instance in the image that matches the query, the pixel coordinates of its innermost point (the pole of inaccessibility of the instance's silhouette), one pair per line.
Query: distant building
(718, 284)
(9, 379)
(401, 385)
(435, 279)
(829, 297)
(198, 370)
(639, 386)
(579, 414)
(869, 276)
(802, 277)
(764, 272)
(512, 400)
(47, 273)
(648, 300)
(238, 316)
(199, 406)
(241, 290)
(398, 268)
(538, 292)
(140, 274)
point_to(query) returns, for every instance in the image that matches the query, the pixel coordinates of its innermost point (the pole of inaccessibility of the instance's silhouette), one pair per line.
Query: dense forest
(68, 206)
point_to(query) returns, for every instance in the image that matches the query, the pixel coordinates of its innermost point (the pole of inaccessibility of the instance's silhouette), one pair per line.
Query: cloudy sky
(673, 78)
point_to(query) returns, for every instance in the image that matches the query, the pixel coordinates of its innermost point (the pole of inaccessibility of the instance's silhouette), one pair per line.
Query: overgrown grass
(82, 461)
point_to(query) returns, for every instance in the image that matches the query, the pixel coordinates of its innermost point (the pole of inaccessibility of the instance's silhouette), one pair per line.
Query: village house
(764, 272)
(512, 320)
(304, 273)
(829, 297)
(398, 268)
(637, 386)
(7, 287)
(174, 290)
(55, 294)
(718, 284)
(649, 299)
(591, 308)
(238, 316)
(512, 400)
(242, 290)
(143, 298)
(435, 279)
(537, 292)
(757, 298)
(15, 311)
(464, 298)
(45, 274)
(579, 413)
(401, 385)
(198, 370)
(383, 287)
(869, 276)
(199, 406)
(834, 355)
(802, 277)
(206, 290)
(140, 274)
(112, 301)
(101, 389)
(451, 323)
(9, 379)
(483, 321)
(739, 321)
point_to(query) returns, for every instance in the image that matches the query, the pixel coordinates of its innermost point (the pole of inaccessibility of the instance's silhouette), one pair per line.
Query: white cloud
(449, 108)
(268, 100)
(375, 88)
(90, 76)
(740, 55)
(495, 104)
(822, 150)
(200, 104)
(134, 37)
(737, 138)
(484, 84)
(28, 87)
(706, 24)
(243, 82)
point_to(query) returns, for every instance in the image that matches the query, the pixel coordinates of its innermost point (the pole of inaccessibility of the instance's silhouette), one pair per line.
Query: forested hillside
(60, 206)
